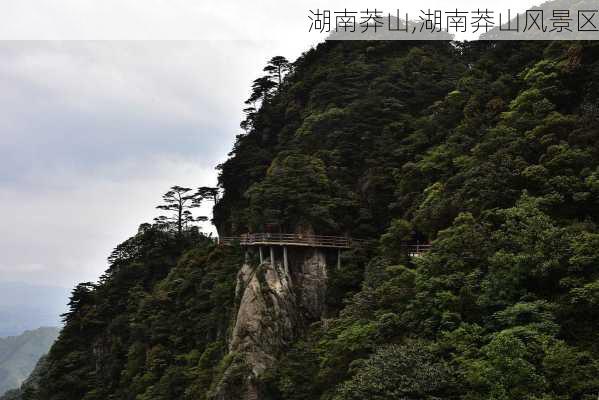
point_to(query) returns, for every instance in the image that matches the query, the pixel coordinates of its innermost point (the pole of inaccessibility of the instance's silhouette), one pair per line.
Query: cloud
(89, 103)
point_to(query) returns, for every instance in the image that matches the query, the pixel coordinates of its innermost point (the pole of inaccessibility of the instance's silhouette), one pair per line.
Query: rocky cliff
(276, 302)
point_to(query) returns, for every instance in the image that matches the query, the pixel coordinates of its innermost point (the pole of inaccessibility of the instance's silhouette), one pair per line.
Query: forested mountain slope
(488, 150)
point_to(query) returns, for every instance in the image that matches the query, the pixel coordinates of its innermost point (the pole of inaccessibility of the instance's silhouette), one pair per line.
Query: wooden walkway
(294, 239)
(291, 239)
(417, 250)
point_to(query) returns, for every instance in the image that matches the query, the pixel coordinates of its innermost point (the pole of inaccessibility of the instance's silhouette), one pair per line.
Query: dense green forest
(489, 150)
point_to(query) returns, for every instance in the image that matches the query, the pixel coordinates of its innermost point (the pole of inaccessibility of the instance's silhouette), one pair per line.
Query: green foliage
(398, 232)
(504, 372)
(153, 328)
(491, 296)
(296, 191)
(323, 113)
(399, 372)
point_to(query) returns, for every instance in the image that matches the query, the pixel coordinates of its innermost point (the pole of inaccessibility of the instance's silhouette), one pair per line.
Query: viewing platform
(417, 250)
(291, 239)
(285, 240)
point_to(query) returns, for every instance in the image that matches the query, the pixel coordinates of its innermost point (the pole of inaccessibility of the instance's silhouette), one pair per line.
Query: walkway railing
(291, 239)
(416, 250)
(296, 239)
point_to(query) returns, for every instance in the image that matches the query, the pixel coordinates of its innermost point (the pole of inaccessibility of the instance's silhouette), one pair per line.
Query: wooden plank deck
(294, 239)
(290, 239)
(417, 250)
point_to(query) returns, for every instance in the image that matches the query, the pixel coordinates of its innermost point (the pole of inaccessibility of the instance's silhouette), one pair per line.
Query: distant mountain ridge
(20, 354)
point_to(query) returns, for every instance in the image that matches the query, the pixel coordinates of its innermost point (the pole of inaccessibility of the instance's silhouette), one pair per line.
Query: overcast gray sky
(92, 133)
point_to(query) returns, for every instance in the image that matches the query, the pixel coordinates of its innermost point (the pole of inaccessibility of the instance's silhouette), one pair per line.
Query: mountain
(26, 306)
(489, 151)
(30, 385)
(20, 354)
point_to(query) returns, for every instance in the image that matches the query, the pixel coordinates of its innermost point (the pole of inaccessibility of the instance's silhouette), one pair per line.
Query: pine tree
(178, 201)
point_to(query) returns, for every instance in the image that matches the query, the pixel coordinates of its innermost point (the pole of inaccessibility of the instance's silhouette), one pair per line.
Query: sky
(92, 132)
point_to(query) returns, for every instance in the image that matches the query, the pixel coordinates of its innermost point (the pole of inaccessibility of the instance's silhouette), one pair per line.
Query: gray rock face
(275, 304)
(311, 281)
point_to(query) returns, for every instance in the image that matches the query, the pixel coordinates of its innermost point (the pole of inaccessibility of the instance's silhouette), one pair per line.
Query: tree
(248, 123)
(505, 370)
(398, 233)
(179, 201)
(407, 372)
(208, 193)
(296, 191)
(261, 90)
(277, 67)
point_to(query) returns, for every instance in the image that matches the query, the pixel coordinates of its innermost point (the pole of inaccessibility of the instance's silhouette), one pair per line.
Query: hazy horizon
(19, 312)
